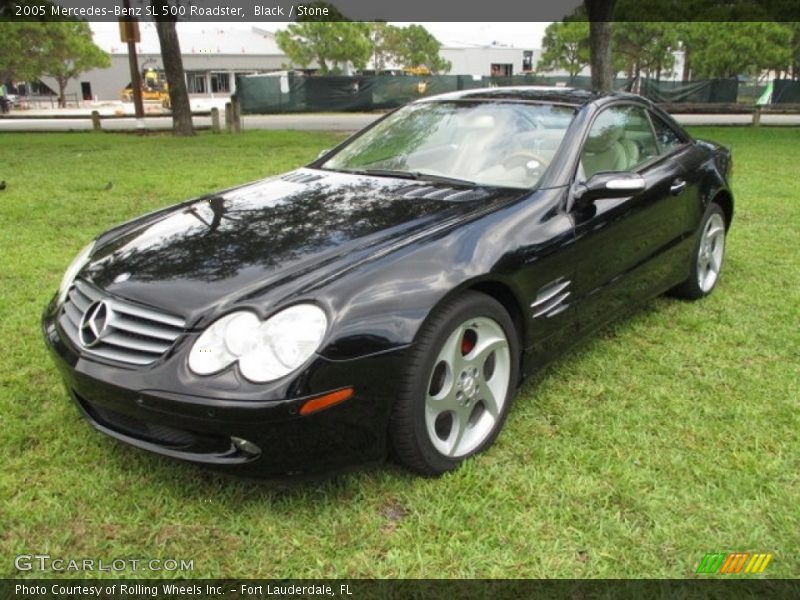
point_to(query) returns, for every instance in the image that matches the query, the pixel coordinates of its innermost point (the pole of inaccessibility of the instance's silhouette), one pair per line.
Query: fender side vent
(551, 299)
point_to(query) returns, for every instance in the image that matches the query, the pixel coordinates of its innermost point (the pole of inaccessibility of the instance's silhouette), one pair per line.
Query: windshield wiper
(417, 175)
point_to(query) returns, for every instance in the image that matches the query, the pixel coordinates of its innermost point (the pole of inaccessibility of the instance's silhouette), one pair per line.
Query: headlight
(265, 350)
(72, 271)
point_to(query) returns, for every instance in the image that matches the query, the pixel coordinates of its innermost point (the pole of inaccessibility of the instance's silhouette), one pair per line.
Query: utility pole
(129, 32)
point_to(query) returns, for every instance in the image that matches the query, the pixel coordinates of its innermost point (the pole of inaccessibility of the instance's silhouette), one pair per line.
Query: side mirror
(323, 153)
(620, 184)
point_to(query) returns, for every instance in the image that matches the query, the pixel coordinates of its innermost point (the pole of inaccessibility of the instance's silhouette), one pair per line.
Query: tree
(729, 49)
(67, 50)
(600, 14)
(566, 47)
(331, 44)
(173, 68)
(20, 51)
(417, 47)
(386, 41)
(644, 47)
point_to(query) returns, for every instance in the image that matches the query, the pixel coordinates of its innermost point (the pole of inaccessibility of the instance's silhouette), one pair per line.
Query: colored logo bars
(734, 562)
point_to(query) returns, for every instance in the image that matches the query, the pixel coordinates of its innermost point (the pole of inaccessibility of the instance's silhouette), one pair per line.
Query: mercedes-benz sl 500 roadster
(388, 299)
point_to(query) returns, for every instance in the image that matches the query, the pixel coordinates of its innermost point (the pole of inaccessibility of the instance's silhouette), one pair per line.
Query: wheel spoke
(713, 262)
(490, 401)
(451, 351)
(484, 350)
(460, 426)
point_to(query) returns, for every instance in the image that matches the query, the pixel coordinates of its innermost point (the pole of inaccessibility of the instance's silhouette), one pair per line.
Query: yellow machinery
(154, 88)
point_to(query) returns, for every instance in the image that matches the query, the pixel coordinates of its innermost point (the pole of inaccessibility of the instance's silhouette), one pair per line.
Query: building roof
(197, 38)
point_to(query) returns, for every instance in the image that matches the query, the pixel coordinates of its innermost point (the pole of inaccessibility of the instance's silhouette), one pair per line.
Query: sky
(520, 35)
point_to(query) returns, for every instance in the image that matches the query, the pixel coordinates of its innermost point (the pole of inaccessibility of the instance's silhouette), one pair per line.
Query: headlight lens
(265, 350)
(72, 271)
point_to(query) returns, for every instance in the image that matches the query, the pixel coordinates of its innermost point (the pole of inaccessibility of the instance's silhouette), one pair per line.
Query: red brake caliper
(467, 343)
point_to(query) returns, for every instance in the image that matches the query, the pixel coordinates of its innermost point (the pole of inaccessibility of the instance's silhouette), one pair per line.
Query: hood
(242, 242)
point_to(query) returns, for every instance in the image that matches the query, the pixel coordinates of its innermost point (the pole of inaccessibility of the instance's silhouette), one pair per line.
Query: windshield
(502, 144)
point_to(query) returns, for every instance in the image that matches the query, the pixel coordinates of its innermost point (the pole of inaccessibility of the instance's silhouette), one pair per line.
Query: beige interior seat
(609, 151)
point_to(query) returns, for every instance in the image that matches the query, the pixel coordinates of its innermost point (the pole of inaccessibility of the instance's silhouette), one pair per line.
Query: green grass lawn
(672, 434)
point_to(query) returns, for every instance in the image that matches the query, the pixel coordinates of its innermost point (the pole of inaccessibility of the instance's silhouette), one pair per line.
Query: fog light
(246, 446)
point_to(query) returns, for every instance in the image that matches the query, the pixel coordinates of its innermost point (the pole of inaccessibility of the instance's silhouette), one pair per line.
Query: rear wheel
(458, 386)
(708, 256)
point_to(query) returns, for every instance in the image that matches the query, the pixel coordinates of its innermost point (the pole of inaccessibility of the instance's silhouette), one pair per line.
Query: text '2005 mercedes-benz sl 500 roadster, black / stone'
(388, 299)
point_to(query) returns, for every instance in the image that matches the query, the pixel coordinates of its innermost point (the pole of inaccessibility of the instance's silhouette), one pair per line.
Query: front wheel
(458, 386)
(707, 258)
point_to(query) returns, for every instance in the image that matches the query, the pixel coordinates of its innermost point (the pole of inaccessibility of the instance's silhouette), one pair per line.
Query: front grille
(133, 334)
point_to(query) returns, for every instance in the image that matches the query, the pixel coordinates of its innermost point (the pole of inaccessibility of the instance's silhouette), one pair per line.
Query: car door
(626, 246)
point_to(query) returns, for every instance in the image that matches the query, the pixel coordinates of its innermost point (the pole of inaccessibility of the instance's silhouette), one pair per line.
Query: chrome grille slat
(87, 291)
(146, 329)
(73, 313)
(119, 339)
(69, 328)
(145, 313)
(80, 302)
(119, 355)
(133, 335)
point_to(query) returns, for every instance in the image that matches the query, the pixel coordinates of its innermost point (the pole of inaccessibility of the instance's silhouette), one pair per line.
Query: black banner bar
(361, 589)
(245, 11)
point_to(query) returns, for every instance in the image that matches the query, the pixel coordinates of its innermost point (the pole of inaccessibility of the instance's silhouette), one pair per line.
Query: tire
(457, 387)
(707, 257)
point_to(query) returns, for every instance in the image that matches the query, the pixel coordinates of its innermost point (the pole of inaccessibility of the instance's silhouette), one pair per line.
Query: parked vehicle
(390, 296)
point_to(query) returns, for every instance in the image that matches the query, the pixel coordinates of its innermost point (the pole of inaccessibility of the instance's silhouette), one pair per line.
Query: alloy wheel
(467, 387)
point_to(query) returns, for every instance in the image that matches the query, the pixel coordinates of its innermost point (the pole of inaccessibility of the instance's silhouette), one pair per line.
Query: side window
(620, 140)
(667, 137)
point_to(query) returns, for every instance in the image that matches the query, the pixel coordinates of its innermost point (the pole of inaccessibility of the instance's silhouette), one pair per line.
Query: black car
(389, 297)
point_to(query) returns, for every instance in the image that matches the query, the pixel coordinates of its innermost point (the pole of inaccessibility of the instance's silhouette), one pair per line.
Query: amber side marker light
(322, 402)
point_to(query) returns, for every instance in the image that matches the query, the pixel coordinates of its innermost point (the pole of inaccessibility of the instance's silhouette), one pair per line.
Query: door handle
(677, 187)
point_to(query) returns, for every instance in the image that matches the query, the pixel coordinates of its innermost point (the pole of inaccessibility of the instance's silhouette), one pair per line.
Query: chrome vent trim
(430, 192)
(425, 191)
(466, 195)
(138, 335)
(300, 177)
(551, 299)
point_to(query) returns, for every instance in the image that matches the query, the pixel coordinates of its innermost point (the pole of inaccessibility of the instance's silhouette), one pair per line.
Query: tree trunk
(62, 97)
(176, 79)
(600, 50)
(600, 12)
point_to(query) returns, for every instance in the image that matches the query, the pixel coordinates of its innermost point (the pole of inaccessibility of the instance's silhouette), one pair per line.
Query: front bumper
(193, 422)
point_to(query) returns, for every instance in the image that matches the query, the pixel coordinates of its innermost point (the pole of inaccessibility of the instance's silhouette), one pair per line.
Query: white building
(215, 53)
(212, 57)
(498, 61)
